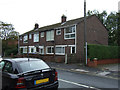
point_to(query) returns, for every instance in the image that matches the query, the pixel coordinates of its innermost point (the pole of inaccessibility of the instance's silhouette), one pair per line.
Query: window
(72, 49)
(32, 49)
(24, 50)
(33, 65)
(2, 63)
(41, 49)
(30, 36)
(69, 32)
(8, 67)
(20, 38)
(58, 32)
(50, 50)
(36, 37)
(60, 50)
(25, 39)
(42, 34)
(50, 35)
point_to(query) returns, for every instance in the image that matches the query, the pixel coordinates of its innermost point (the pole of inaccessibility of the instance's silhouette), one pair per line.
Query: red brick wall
(108, 61)
(96, 34)
(94, 63)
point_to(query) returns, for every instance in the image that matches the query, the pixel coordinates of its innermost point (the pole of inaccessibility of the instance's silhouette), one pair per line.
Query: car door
(2, 63)
(7, 75)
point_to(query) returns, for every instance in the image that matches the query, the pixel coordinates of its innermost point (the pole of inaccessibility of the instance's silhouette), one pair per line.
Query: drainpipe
(66, 59)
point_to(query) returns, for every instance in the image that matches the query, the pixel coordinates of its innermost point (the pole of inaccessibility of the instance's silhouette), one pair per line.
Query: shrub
(103, 52)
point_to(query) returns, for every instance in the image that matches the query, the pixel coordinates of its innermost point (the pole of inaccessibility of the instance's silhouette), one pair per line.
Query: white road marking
(78, 84)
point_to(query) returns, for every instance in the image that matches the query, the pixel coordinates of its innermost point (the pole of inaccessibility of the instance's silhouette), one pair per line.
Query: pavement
(108, 71)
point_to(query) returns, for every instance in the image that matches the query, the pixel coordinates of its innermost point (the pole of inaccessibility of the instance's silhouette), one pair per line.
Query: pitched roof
(58, 25)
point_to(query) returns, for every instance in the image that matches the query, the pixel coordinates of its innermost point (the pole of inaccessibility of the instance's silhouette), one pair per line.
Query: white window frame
(36, 37)
(24, 49)
(20, 38)
(60, 46)
(41, 47)
(72, 48)
(25, 39)
(34, 49)
(51, 49)
(58, 31)
(50, 35)
(42, 34)
(30, 36)
(69, 34)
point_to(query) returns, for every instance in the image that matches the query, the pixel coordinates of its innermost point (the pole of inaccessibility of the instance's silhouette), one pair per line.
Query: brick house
(64, 41)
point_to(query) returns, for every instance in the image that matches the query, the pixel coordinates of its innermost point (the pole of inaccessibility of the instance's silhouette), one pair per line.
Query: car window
(2, 63)
(32, 65)
(8, 67)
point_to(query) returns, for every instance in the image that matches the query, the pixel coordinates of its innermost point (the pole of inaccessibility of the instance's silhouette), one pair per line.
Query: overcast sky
(23, 14)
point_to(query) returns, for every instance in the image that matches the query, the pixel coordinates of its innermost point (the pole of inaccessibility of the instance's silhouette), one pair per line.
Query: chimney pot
(63, 18)
(36, 26)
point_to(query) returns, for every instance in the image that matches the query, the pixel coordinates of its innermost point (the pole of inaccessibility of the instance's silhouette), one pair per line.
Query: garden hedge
(103, 52)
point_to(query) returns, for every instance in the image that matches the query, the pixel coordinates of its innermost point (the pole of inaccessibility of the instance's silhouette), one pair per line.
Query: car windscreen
(32, 65)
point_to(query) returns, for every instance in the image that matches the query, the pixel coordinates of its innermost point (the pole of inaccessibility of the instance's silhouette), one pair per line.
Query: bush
(103, 52)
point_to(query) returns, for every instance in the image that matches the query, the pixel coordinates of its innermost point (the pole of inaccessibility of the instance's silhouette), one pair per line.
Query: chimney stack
(36, 26)
(63, 19)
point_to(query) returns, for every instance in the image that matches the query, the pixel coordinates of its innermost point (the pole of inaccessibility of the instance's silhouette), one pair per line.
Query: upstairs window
(36, 37)
(69, 32)
(25, 39)
(20, 38)
(30, 36)
(50, 35)
(42, 34)
(58, 32)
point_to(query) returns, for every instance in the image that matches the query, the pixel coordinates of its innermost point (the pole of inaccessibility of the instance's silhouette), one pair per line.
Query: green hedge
(103, 52)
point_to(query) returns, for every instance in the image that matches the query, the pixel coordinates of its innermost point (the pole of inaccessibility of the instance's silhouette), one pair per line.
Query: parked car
(0, 58)
(27, 74)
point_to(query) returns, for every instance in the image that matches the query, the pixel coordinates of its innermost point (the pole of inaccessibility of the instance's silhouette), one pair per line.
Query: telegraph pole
(85, 34)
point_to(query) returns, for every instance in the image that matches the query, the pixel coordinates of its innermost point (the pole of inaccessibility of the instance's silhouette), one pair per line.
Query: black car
(27, 74)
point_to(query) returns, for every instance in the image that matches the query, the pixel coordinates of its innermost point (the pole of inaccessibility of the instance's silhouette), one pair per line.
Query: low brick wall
(108, 61)
(94, 63)
(51, 58)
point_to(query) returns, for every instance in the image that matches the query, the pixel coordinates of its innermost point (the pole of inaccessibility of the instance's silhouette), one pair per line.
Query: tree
(102, 16)
(112, 25)
(118, 31)
(8, 35)
(7, 31)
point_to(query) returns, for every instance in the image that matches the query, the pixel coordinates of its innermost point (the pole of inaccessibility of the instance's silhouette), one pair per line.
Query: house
(64, 41)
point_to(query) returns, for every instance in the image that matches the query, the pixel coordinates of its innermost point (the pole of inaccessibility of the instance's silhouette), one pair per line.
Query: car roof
(20, 59)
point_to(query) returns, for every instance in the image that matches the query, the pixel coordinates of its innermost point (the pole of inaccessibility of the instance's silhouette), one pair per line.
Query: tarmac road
(69, 79)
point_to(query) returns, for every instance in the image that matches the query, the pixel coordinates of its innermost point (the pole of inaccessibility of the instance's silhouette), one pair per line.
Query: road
(76, 80)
